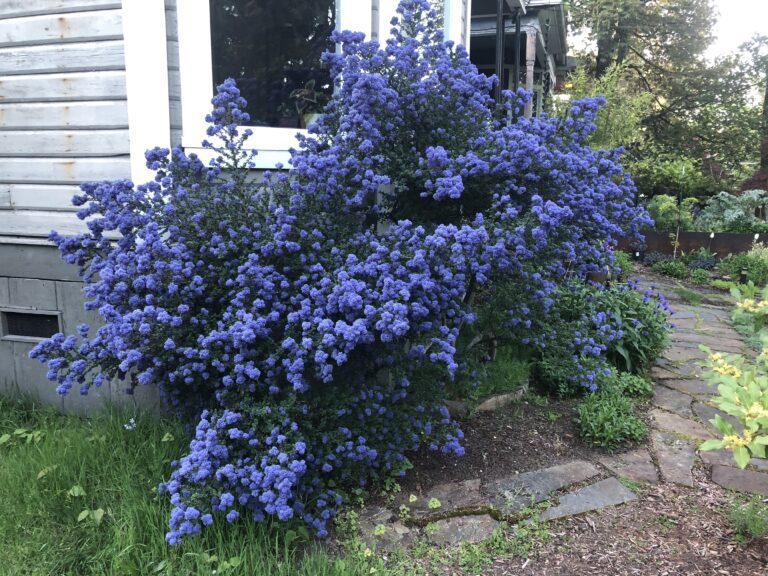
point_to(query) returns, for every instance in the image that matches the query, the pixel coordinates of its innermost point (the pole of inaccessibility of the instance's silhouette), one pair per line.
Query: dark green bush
(756, 268)
(700, 276)
(673, 268)
(622, 264)
(633, 386)
(608, 419)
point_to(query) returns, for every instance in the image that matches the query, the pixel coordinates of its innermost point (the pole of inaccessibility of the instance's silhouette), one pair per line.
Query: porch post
(530, 60)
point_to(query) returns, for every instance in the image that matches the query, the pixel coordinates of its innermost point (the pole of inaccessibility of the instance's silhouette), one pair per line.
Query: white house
(86, 86)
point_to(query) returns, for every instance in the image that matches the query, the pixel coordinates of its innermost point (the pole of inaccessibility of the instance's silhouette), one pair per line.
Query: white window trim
(146, 82)
(196, 71)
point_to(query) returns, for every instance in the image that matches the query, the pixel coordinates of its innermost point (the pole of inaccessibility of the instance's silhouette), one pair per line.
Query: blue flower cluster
(287, 316)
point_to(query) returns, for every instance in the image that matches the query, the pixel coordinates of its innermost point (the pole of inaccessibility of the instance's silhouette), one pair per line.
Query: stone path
(472, 510)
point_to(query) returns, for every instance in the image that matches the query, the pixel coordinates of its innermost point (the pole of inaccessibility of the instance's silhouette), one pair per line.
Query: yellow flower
(734, 441)
(756, 411)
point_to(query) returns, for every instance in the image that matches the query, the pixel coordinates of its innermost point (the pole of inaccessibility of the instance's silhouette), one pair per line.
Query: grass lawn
(80, 497)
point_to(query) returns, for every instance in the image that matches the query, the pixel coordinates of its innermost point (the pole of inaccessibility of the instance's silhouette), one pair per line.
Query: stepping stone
(679, 425)
(511, 495)
(609, 492)
(379, 528)
(711, 340)
(695, 387)
(675, 458)
(681, 370)
(741, 480)
(636, 465)
(725, 458)
(659, 373)
(501, 400)
(679, 354)
(453, 531)
(706, 413)
(453, 496)
(673, 401)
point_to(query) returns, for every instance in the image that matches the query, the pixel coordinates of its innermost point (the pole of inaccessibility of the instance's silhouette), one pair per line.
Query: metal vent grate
(29, 324)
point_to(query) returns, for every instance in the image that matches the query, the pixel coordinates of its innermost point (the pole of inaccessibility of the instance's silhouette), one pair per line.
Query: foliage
(673, 268)
(742, 393)
(690, 296)
(607, 419)
(116, 469)
(622, 264)
(667, 215)
(286, 318)
(726, 212)
(619, 121)
(660, 172)
(591, 330)
(633, 386)
(652, 257)
(748, 290)
(754, 264)
(700, 258)
(505, 371)
(749, 519)
(700, 276)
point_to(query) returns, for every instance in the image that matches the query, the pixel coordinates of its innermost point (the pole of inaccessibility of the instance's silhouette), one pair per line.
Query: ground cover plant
(289, 320)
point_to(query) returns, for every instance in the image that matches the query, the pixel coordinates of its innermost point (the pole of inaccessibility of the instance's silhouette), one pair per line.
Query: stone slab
(681, 370)
(501, 400)
(659, 373)
(673, 401)
(609, 492)
(725, 458)
(678, 425)
(636, 465)
(452, 496)
(380, 529)
(705, 413)
(512, 494)
(713, 339)
(675, 457)
(694, 387)
(741, 480)
(453, 531)
(680, 354)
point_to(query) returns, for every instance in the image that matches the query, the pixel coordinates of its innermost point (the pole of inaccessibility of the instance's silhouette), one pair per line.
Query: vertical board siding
(174, 79)
(63, 110)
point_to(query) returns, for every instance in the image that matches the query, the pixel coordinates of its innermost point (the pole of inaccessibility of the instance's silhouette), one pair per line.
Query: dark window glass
(272, 49)
(30, 325)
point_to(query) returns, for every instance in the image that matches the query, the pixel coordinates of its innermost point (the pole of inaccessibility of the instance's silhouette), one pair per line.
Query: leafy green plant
(673, 268)
(753, 264)
(727, 212)
(749, 519)
(608, 419)
(667, 214)
(700, 276)
(742, 393)
(633, 386)
(623, 266)
(690, 296)
(748, 290)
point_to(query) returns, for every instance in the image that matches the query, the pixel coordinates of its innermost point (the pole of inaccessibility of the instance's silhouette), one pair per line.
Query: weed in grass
(749, 518)
(690, 296)
(666, 522)
(632, 484)
(80, 497)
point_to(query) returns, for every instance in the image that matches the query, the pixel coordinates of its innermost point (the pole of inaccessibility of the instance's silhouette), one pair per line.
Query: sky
(738, 21)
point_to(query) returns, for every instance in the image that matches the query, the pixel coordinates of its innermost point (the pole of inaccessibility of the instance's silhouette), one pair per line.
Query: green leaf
(723, 425)
(76, 491)
(83, 515)
(711, 445)
(741, 455)
(97, 515)
(168, 437)
(235, 561)
(45, 471)
(761, 440)
(4, 439)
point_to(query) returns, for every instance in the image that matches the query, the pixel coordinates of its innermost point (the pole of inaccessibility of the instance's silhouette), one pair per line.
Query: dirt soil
(669, 530)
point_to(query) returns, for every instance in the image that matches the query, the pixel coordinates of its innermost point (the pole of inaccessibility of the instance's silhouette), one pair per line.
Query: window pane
(272, 48)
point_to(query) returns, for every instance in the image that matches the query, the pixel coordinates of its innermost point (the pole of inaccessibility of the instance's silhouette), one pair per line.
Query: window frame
(196, 74)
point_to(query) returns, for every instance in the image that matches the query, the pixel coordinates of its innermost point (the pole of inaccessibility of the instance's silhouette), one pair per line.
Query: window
(272, 48)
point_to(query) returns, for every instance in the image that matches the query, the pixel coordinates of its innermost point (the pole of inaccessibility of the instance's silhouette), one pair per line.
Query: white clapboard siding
(64, 87)
(79, 57)
(52, 115)
(63, 170)
(171, 23)
(61, 28)
(39, 223)
(37, 197)
(63, 143)
(174, 83)
(20, 8)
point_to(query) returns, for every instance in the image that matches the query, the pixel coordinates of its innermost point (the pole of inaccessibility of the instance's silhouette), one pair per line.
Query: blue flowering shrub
(288, 317)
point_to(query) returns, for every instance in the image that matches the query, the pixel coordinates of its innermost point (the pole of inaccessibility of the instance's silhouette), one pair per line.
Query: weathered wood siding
(63, 113)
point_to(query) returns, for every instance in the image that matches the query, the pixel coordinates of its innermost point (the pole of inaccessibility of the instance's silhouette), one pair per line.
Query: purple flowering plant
(289, 317)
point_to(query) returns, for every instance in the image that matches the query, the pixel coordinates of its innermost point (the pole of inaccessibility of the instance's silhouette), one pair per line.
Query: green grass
(47, 456)
(690, 296)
